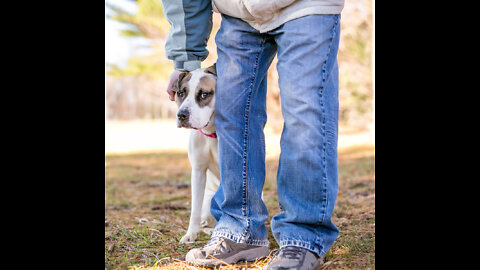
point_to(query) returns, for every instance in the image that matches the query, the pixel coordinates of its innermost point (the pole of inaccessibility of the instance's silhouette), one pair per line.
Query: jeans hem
(302, 244)
(241, 239)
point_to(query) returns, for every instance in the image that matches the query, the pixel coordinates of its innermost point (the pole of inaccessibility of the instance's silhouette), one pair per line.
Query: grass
(147, 211)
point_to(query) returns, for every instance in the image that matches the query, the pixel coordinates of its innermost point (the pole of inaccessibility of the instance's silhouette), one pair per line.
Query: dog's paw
(208, 221)
(189, 238)
(207, 230)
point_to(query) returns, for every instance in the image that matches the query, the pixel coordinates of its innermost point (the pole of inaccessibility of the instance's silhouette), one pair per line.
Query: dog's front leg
(198, 190)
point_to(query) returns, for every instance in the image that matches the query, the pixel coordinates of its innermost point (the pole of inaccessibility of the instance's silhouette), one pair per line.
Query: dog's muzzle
(182, 117)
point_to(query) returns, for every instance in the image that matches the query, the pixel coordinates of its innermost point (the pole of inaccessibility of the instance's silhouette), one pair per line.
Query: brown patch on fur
(206, 84)
(212, 69)
(181, 86)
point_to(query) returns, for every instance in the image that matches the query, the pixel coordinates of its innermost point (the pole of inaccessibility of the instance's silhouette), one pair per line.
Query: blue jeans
(307, 178)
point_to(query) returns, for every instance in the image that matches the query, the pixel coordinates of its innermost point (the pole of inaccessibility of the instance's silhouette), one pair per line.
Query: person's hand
(173, 79)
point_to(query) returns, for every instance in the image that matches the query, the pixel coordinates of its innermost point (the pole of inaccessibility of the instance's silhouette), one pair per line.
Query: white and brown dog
(195, 97)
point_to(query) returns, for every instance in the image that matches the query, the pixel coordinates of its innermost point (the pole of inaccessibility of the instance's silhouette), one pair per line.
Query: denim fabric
(307, 173)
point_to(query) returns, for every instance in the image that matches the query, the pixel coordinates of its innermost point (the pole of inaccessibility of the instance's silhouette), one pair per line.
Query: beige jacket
(266, 15)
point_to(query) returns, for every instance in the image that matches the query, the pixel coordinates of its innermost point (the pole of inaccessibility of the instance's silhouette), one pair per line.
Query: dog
(195, 97)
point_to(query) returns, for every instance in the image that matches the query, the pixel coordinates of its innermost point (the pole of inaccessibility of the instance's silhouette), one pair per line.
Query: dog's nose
(183, 115)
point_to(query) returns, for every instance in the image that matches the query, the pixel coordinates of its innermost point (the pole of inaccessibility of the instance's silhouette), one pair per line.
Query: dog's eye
(181, 94)
(204, 95)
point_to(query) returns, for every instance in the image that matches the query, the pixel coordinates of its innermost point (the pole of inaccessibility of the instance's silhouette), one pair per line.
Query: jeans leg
(244, 56)
(307, 173)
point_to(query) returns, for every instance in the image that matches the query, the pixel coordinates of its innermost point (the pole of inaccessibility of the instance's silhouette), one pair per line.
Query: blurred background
(140, 117)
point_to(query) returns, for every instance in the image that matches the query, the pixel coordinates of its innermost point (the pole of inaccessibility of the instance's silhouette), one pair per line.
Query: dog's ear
(212, 69)
(176, 84)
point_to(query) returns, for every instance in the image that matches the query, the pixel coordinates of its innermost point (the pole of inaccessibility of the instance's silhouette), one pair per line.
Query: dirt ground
(147, 199)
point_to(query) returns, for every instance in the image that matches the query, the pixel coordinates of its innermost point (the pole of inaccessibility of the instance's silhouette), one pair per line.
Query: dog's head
(195, 97)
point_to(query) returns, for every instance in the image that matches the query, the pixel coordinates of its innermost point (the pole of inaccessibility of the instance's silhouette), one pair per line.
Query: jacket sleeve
(191, 25)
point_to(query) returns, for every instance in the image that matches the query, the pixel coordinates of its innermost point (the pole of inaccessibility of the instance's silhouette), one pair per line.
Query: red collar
(213, 135)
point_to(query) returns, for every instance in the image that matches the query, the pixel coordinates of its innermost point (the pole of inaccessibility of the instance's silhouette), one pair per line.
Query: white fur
(203, 156)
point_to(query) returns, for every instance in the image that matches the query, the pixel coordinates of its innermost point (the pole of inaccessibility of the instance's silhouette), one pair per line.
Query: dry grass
(147, 211)
(182, 265)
